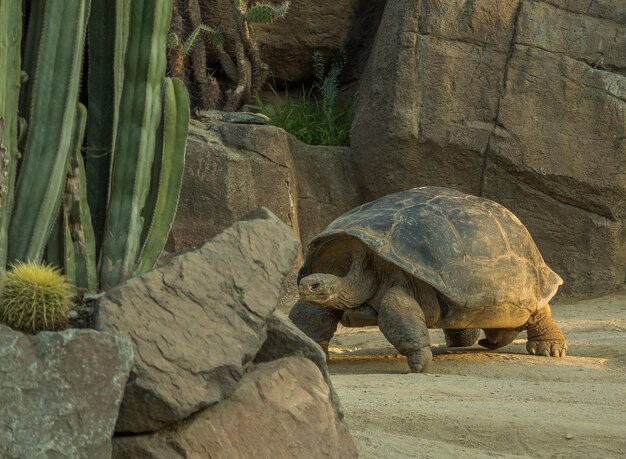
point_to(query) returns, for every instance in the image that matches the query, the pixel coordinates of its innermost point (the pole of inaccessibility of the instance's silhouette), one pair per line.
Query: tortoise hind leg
(317, 322)
(461, 337)
(544, 335)
(496, 338)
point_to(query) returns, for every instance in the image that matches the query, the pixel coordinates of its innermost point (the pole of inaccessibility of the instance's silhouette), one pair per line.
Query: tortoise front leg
(402, 322)
(317, 322)
(544, 335)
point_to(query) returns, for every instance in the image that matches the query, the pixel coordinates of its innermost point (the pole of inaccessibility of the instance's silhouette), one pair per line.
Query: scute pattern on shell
(472, 250)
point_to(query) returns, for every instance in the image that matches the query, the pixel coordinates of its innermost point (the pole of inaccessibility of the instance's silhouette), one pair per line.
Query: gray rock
(245, 118)
(284, 339)
(281, 409)
(197, 321)
(242, 117)
(486, 98)
(231, 169)
(60, 392)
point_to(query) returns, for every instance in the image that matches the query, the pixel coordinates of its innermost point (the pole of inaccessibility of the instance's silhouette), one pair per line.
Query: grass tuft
(315, 117)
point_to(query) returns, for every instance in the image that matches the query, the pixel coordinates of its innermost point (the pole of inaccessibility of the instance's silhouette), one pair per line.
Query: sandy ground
(480, 403)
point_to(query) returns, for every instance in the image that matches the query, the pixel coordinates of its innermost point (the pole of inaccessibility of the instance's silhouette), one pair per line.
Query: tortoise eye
(315, 286)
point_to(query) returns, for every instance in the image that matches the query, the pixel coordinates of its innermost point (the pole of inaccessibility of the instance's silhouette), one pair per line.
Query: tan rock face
(288, 44)
(281, 409)
(519, 101)
(232, 169)
(197, 321)
(229, 171)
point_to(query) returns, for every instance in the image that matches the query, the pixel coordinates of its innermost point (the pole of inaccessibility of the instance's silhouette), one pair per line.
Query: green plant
(245, 70)
(34, 297)
(315, 116)
(98, 184)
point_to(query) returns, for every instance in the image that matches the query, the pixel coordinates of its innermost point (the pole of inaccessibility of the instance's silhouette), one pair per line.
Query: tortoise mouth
(321, 298)
(313, 297)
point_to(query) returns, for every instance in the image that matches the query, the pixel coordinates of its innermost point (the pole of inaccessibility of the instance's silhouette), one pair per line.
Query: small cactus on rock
(34, 297)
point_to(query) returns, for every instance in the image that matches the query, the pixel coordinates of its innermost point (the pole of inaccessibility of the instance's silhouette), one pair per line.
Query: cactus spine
(34, 297)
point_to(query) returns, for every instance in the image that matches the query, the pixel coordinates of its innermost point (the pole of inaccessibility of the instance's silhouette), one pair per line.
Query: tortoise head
(321, 289)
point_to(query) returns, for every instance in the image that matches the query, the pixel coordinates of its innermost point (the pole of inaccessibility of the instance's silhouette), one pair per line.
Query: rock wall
(519, 101)
(60, 392)
(233, 168)
(523, 102)
(287, 45)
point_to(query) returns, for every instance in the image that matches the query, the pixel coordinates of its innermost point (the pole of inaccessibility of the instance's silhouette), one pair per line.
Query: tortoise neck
(359, 285)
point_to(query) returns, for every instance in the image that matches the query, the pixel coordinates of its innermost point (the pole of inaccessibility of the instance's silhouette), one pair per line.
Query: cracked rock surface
(519, 101)
(281, 409)
(60, 392)
(197, 322)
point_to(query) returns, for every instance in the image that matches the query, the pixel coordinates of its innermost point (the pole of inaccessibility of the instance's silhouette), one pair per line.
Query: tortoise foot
(544, 335)
(547, 348)
(420, 361)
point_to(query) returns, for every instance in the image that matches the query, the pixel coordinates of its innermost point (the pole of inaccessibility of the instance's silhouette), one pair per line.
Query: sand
(481, 403)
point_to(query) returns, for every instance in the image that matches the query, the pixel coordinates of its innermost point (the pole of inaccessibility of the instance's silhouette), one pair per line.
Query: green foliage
(243, 71)
(327, 83)
(102, 216)
(34, 297)
(315, 117)
(53, 59)
(215, 38)
(264, 13)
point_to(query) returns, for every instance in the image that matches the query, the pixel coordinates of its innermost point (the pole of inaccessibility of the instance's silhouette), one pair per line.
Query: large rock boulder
(230, 170)
(326, 185)
(520, 101)
(197, 321)
(281, 409)
(284, 339)
(60, 392)
(234, 167)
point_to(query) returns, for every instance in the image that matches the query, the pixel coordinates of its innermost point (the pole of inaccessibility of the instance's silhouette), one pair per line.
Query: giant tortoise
(425, 258)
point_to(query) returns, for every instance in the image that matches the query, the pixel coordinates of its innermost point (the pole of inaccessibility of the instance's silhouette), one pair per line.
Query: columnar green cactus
(133, 154)
(53, 62)
(108, 38)
(135, 143)
(72, 242)
(10, 49)
(167, 173)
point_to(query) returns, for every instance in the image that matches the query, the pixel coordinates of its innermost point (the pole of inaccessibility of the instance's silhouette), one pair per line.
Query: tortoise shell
(475, 252)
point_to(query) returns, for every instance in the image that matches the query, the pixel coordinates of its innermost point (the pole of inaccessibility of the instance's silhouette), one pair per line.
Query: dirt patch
(480, 403)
